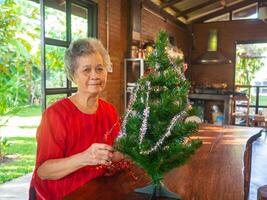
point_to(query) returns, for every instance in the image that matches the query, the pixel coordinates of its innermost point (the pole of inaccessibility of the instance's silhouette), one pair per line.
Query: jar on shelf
(134, 51)
(140, 53)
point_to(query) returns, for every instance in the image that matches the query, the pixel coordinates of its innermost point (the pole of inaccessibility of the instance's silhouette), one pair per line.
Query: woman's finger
(104, 162)
(104, 154)
(103, 146)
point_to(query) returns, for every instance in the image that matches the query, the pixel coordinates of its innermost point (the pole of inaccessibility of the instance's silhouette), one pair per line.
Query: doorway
(251, 75)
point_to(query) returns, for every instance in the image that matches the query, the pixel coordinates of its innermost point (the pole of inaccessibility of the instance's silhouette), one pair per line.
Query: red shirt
(64, 131)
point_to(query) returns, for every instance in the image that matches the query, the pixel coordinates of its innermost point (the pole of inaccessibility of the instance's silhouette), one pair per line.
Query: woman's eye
(100, 69)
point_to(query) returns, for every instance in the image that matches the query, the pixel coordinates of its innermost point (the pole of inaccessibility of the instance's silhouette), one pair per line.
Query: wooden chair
(262, 193)
(260, 121)
(241, 113)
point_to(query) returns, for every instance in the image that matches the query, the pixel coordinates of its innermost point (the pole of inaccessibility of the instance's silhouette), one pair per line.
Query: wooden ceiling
(185, 12)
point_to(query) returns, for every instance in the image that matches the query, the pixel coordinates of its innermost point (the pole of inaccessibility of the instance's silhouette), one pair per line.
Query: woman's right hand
(97, 154)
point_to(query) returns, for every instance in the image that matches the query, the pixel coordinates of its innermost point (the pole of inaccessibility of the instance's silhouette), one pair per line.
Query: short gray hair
(82, 47)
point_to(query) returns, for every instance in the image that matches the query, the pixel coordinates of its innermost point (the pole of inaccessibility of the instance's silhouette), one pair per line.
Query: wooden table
(214, 172)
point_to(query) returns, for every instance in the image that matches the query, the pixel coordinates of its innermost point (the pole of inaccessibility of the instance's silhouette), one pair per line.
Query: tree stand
(156, 191)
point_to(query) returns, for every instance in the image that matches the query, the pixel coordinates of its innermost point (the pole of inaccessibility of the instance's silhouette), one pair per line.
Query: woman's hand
(97, 154)
(117, 156)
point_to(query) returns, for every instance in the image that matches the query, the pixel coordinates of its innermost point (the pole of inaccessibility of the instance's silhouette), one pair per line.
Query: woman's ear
(74, 79)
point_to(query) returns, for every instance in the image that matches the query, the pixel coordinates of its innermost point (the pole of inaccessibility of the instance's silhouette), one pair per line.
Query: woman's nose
(94, 74)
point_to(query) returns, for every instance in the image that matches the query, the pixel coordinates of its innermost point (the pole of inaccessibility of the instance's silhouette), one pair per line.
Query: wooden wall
(228, 34)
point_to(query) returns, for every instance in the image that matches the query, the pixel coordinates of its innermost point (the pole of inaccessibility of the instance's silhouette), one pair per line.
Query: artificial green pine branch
(153, 133)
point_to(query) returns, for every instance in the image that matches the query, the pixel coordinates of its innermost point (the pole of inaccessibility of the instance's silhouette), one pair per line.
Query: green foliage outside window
(248, 63)
(19, 65)
(4, 144)
(20, 57)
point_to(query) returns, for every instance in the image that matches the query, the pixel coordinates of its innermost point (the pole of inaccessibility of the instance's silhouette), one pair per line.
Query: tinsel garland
(115, 166)
(173, 56)
(112, 169)
(177, 117)
(129, 110)
(146, 111)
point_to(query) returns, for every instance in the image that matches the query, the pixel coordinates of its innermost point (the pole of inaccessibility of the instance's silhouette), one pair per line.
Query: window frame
(92, 31)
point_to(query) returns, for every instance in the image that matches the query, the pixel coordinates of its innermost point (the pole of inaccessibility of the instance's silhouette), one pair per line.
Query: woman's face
(91, 74)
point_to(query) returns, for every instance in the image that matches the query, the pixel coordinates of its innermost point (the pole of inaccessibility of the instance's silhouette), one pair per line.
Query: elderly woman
(76, 133)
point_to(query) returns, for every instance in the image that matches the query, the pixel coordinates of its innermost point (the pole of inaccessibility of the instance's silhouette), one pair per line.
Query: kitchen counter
(226, 98)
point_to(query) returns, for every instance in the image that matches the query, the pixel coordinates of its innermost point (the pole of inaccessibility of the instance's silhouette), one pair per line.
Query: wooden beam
(170, 3)
(192, 9)
(178, 12)
(156, 9)
(223, 11)
(262, 3)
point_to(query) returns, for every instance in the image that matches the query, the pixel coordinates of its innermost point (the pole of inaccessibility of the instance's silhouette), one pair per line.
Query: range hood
(212, 56)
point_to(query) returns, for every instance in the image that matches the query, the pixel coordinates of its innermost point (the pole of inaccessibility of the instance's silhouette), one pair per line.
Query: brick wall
(151, 24)
(228, 34)
(118, 42)
(117, 47)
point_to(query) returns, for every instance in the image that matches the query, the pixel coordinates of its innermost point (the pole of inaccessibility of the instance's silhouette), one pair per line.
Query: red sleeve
(51, 136)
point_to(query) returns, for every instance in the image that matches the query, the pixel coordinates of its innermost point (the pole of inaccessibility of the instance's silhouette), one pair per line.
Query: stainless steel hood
(212, 56)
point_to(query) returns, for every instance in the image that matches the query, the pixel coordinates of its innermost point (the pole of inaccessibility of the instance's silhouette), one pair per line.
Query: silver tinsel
(146, 111)
(128, 112)
(173, 55)
(176, 118)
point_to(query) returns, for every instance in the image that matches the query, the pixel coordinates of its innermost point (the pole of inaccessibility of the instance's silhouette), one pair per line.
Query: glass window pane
(55, 73)
(224, 17)
(253, 99)
(263, 111)
(249, 12)
(55, 19)
(263, 98)
(79, 21)
(50, 99)
(252, 111)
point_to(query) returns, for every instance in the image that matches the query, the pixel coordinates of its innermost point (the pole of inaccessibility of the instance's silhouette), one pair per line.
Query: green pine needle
(167, 97)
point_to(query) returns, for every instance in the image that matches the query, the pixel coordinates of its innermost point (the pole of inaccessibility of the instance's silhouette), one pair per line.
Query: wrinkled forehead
(93, 59)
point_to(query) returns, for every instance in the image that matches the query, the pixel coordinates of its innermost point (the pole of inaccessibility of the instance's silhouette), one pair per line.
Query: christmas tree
(153, 132)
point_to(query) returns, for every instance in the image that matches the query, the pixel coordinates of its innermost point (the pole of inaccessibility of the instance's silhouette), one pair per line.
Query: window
(62, 21)
(264, 90)
(224, 17)
(249, 12)
(250, 73)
